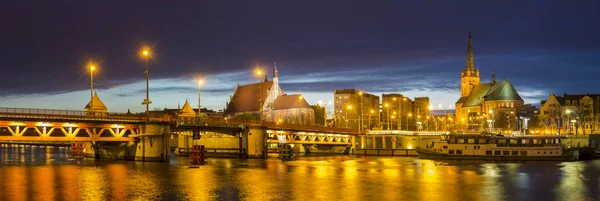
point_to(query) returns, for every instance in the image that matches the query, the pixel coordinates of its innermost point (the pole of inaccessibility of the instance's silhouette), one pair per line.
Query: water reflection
(44, 173)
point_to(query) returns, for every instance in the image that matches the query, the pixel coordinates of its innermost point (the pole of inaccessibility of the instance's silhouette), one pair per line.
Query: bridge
(110, 135)
(257, 138)
(22, 124)
(115, 132)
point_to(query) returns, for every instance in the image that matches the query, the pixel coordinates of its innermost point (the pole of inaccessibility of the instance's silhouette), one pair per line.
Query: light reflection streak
(572, 185)
(43, 182)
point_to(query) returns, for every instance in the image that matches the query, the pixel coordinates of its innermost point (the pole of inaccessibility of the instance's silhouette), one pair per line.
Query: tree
(246, 117)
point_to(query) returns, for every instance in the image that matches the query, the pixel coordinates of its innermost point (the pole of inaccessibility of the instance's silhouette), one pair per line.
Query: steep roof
(461, 100)
(96, 104)
(290, 101)
(186, 110)
(246, 97)
(501, 90)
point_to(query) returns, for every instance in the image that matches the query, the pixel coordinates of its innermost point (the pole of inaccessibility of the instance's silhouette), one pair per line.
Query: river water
(47, 173)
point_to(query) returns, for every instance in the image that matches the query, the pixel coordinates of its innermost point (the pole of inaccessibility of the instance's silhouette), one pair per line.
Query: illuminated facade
(276, 106)
(570, 114)
(350, 104)
(497, 102)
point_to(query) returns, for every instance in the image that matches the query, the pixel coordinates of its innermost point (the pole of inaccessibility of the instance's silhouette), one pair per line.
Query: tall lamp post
(92, 68)
(445, 116)
(409, 115)
(200, 82)
(492, 123)
(388, 115)
(371, 114)
(400, 112)
(260, 105)
(146, 55)
(361, 112)
(347, 108)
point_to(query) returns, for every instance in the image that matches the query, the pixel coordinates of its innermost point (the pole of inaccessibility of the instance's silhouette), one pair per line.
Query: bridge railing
(274, 125)
(68, 114)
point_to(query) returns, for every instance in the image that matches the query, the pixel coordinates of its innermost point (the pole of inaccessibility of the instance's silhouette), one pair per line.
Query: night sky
(416, 48)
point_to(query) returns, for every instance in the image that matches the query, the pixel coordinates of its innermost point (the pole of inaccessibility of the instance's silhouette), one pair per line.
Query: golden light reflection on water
(307, 178)
(92, 184)
(44, 182)
(573, 182)
(117, 174)
(196, 184)
(68, 180)
(15, 181)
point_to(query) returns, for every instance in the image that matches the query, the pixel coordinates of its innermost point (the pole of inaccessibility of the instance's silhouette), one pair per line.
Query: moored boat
(498, 147)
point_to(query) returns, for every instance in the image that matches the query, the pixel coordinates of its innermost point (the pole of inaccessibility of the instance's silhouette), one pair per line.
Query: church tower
(470, 75)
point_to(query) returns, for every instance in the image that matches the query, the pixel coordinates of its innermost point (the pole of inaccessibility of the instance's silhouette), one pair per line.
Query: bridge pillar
(153, 144)
(256, 141)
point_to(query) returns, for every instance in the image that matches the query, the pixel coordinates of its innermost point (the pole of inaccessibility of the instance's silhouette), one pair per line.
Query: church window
(512, 105)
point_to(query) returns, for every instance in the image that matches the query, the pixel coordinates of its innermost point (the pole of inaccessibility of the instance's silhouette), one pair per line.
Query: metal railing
(51, 114)
(271, 125)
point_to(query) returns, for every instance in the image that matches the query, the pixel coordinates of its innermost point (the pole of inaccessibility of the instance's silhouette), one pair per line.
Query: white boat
(497, 147)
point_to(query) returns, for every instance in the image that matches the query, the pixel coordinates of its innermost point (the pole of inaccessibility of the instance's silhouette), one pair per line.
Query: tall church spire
(470, 67)
(275, 73)
(470, 75)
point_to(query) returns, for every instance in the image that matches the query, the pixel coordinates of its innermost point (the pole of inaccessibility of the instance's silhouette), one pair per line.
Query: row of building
(356, 109)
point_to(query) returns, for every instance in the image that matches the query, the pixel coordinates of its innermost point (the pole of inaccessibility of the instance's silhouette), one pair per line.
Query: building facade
(248, 100)
(421, 109)
(498, 102)
(396, 111)
(570, 114)
(355, 109)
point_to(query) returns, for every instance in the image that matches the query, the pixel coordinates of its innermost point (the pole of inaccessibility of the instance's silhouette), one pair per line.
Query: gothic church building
(482, 103)
(276, 105)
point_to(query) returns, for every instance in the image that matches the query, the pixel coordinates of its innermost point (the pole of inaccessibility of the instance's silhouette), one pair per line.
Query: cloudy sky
(416, 48)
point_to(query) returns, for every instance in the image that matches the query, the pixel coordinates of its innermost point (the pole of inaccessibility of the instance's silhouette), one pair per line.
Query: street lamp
(347, 108)
(92, 68)
(409, 115)
(393, 118)
(361, 112)
(146, 54)
(260, 105)
(388, 115)
(568, 121)
(492, 122)
(200, 82)
(371, 114)
(400, 113)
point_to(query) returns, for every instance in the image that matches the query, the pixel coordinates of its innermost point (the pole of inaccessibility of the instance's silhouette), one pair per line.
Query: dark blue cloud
(383, 46)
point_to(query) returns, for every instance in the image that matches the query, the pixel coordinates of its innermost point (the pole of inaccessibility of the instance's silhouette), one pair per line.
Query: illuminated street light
(388, 115)
(200, 82)
(92, 68)
(360, 119)
(260, 105)
(492, 122)
(349, 107)
(146, 55)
